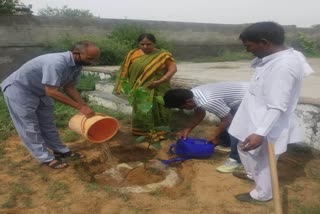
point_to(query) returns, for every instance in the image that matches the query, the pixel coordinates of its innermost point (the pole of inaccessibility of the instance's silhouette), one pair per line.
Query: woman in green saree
(151, 69)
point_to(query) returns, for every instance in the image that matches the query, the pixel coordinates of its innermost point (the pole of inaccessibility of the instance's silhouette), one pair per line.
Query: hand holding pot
(87, 111)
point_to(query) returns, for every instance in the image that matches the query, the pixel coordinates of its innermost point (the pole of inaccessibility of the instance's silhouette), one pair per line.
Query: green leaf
(160, 100)
(162, 128)
(140, 95)
(126, 86)
(140, 139)
(156, 145)
(145, 107)
(130, 100)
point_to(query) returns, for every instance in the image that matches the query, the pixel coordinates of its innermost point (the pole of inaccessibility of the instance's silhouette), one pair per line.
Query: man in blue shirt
(30, 93)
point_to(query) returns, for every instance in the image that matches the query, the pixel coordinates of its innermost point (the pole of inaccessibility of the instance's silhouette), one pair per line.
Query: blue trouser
(234, 149)
(34, 121)
(229, 140)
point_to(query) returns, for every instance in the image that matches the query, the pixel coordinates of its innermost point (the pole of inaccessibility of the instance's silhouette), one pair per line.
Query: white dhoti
(256, 164)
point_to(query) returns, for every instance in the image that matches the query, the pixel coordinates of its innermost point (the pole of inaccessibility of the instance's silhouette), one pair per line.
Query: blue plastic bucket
(192, 148)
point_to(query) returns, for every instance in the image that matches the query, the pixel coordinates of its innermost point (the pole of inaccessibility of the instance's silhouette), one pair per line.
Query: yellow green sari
(140, 70)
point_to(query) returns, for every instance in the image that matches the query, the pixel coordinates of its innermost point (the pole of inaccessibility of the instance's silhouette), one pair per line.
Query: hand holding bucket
(96, 129)
(87, 111)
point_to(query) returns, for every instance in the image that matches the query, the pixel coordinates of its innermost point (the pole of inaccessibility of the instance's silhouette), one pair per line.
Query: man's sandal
(56, 164)
(70, 155)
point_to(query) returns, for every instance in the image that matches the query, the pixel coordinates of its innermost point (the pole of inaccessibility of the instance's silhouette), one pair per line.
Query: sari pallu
(140, 70)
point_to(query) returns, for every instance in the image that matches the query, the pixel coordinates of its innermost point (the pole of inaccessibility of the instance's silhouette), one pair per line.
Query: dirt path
(27, 187)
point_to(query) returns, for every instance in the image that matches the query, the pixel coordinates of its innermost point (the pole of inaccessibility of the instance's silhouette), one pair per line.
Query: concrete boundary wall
(23, 37)
(17, 31)
(36, 30)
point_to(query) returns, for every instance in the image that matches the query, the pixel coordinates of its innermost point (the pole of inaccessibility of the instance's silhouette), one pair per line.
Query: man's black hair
(270, 31)
(175, 98)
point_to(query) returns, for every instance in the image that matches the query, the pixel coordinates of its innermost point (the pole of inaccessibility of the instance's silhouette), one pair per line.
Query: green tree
(113, 47)
(7, 6)
(307, 45)
(64, 11)
(127, 34)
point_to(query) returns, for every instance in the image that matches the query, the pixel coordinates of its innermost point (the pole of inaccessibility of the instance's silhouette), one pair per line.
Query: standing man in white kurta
(266, 114)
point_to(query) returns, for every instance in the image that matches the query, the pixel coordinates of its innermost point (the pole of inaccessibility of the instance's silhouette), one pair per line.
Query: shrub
(113, 47)
(87, 82)
(127, 34)
(306, 45)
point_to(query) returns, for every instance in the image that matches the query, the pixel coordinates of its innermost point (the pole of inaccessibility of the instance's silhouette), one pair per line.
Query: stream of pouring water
(106, 151)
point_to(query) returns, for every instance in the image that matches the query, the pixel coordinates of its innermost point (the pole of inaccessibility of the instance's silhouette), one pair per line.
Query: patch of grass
(69, 136)
(225, 55)
(27, 202)
(63, 113)
(57, 190)
(2, 151)
(187, 185)
(6, 124)
(87, 82)
(136, 209)
(108, 189)
(301, 207)
(22, 150)
(314, 209)
(92, 187)
(11, 202)
(44, 176)
(124, 196)
(112, 191)
(296, 187)
(18, 190)
(157, 193)
(13, 167)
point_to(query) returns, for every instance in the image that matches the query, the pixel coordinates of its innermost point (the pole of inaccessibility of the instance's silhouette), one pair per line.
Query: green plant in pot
(142, 100)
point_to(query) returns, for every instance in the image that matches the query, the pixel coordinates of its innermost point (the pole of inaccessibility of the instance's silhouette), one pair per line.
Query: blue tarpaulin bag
(190, 148)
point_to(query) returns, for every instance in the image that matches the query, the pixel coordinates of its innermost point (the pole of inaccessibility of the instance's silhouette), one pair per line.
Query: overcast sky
(303, 13)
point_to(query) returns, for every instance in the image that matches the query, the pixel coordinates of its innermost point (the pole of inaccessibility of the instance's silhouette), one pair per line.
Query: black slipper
(70, 155)
(56, 164)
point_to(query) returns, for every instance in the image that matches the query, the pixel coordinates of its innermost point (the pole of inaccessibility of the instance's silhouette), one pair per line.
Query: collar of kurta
(256, 62)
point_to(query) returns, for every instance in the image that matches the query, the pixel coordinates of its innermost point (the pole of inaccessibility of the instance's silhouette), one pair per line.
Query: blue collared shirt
(56, 69)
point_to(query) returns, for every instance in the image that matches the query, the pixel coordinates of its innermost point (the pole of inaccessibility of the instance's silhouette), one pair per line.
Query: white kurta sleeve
(271, 117)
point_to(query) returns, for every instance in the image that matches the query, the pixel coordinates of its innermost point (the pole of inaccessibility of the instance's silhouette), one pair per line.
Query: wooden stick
(274, 179)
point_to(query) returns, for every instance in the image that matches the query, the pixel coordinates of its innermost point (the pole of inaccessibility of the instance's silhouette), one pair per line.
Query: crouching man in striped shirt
(221, 99)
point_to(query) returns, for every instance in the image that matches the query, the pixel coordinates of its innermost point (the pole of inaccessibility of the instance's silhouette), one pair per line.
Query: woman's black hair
(149, 36)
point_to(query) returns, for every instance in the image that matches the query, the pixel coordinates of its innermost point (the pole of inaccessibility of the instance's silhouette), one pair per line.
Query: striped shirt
(220, 98)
